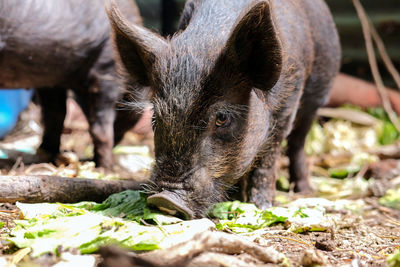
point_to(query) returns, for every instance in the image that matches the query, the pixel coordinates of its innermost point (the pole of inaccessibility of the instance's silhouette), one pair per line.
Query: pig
(57, 45)
(236, 80)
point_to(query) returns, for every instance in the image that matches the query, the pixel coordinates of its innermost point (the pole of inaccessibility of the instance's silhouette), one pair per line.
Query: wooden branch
(36, 189)
(387, 152)
(354, 116)
(185, 253)
(365, 24)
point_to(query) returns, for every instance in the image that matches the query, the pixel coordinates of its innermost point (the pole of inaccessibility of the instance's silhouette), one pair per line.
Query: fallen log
(37, 188)
(351, 90)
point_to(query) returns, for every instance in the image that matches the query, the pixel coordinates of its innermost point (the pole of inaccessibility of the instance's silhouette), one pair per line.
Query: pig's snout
(171, 203)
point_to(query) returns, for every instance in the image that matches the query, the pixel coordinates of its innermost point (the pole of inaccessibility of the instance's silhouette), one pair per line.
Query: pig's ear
(137, 47)
(254, 47)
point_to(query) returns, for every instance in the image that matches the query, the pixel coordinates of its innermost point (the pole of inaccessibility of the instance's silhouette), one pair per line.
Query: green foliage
(231, 210)
(282, 183)
(332, 188)
(128, 203)
(338, 173)
(394, 259)
(123, 219)
(391, 199)
(389, 133)
(243, 217)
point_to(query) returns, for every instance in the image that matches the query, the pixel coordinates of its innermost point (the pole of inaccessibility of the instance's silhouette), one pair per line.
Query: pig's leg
(54, 109)
(298, 161)
(98, 104)
(315, 95)
(262, 180)
(124, 121)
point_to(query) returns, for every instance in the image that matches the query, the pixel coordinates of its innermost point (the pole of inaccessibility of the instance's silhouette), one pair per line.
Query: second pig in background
(57, 45)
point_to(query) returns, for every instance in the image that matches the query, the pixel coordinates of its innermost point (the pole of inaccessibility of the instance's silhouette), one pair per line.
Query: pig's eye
(222, 119)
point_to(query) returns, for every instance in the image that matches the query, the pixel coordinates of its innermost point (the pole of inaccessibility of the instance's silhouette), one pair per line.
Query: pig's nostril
(170, 203)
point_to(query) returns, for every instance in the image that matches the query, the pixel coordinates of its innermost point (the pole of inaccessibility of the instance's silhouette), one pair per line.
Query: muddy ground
(362, 237)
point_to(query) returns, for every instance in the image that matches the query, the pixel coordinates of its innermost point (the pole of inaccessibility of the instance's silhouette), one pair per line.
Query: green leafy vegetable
(388, 133)
(391, 199)
(332, 188)
(128, 203)
(394, 259)
(338, 173)
(282, 183)
(242, 217)
(231, 210)
(123, 219)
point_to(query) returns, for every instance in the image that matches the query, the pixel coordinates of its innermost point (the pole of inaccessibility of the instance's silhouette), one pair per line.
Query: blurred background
(385, 15)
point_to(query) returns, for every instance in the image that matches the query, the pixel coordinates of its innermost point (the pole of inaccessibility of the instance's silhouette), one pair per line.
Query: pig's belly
(33, 67)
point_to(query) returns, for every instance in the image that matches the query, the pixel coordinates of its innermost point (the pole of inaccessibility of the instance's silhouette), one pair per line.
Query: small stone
(262, 241)
(313, 258)
(325, 244)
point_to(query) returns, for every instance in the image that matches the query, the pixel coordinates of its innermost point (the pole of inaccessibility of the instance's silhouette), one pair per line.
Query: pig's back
(327, 53)
(44, 42)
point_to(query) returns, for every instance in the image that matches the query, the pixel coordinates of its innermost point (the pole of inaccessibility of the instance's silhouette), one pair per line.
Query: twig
(393, 222)
(362, 172)
(348, 114)
(45, 166)
(17, 164)
(8, 211)
(388, 237)
(290, 239)
(374, 65)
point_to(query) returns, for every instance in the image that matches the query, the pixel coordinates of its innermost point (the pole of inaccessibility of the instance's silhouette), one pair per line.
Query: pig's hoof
(303, 188)
(264, 205)
(106, 163)
(260, 200)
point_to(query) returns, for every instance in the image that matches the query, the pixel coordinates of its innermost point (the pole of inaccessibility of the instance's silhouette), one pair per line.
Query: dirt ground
(357, 240)
(363, 237)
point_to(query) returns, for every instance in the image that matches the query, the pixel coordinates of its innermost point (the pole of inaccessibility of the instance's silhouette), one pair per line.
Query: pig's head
(211, 103)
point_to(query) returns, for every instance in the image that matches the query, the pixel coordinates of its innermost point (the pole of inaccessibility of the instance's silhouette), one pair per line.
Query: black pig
(238, 78)
(55, 45)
